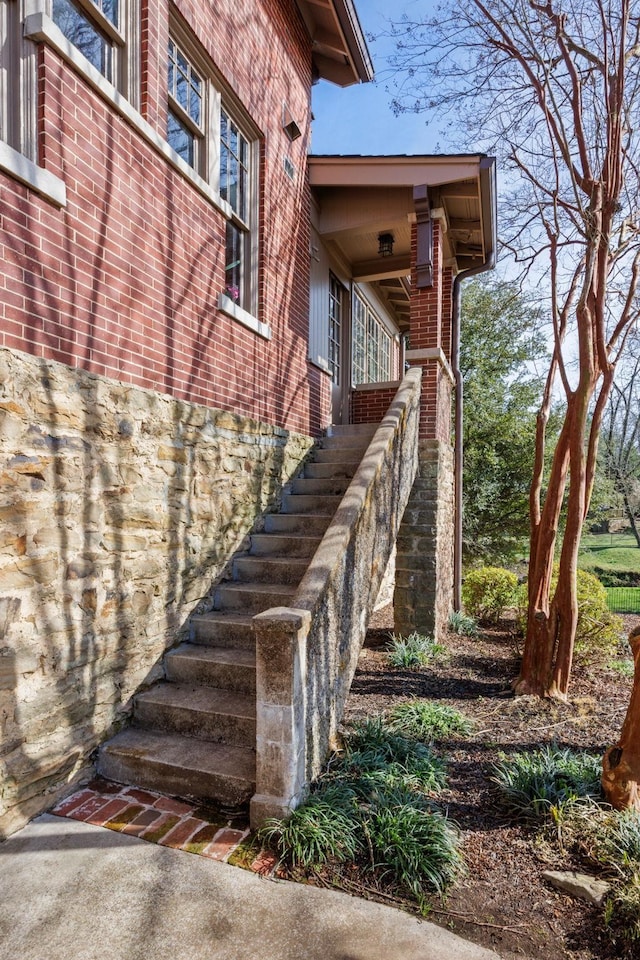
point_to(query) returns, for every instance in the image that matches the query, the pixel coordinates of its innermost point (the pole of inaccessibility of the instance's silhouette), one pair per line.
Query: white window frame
(370, 333)
(19, 105)
(124, 40)
(243, 306)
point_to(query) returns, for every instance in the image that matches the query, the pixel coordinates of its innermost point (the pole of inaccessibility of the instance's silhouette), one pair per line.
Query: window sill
(231, 309)
(321, 365)
(29, 173)
(41, 28)
(380, 385)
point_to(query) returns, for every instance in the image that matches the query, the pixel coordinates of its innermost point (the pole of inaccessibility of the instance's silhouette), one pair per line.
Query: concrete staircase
(193, 735)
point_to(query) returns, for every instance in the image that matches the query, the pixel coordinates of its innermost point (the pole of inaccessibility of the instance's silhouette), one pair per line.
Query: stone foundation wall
(119, 508)
(424, 562)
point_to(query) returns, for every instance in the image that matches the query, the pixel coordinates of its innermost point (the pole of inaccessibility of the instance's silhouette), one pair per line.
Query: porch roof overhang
(340, 51)
(360, 197)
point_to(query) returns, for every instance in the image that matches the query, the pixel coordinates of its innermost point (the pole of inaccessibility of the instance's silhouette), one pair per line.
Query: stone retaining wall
(119, 508)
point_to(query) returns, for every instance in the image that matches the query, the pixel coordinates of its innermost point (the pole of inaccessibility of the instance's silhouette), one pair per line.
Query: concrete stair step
(221, 628)
(328, 486)
(253, 598)
(293, 523)
(331, 469)
(336, 455)
(193, 710)
(221, 667)
(356, 446)
(275, 544)
(267, 569)
(301, 503)
(180, 766)
(352, 429)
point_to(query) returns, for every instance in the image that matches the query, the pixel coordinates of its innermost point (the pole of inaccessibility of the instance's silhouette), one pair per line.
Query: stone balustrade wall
(307, 653)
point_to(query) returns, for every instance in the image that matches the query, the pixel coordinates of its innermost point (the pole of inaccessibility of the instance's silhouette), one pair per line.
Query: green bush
(598, 630)
(488, 591)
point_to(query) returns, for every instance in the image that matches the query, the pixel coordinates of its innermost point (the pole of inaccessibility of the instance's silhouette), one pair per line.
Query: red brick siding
(430, 328)
(124, 281)
(370, 406)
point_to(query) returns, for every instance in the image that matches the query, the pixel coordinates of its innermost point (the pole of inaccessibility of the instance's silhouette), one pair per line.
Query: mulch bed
(503, 903)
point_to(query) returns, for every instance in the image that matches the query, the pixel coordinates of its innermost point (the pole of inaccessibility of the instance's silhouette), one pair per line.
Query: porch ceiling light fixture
(385, 244)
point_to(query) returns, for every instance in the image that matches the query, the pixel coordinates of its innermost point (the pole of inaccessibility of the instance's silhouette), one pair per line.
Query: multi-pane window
(335, 328)
(95, 27)
(207, 137)
(371, 354)
(359, 340)
(185, 116)
(235, 189)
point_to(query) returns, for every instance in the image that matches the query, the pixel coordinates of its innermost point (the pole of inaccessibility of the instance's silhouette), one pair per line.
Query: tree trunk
(621, 764)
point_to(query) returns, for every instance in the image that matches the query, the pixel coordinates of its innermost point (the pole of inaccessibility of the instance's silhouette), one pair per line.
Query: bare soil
(503, 903)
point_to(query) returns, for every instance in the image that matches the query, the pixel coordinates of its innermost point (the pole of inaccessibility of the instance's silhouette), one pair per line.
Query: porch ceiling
(360, 197)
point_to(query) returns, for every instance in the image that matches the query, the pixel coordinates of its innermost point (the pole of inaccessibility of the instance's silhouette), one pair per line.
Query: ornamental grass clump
(413, 652)
(532, 784)
(325, 827)
(427, 721)
(462, 624)
(375, 808)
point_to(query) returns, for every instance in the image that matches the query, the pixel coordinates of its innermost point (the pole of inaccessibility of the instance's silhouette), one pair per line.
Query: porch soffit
(360, 197)
(340, 51)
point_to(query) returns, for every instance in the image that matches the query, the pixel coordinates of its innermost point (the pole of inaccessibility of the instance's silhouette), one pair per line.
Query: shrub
(423, 720)
(488, 591)
(412, 652)
(598, 630)
(533, 783)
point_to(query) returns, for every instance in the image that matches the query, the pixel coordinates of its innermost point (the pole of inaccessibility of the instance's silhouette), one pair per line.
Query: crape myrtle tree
(553, 89)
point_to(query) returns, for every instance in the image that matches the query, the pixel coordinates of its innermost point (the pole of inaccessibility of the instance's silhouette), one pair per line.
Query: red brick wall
(124, 281)
(430, 328)
(370, 406)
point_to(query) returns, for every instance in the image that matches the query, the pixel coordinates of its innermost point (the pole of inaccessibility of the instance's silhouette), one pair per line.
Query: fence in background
(623, 599)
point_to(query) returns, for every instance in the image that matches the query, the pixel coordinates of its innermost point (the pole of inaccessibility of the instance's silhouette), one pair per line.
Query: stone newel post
(281, 636)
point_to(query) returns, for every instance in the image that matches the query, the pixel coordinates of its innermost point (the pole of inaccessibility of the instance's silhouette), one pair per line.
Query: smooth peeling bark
(621, 764)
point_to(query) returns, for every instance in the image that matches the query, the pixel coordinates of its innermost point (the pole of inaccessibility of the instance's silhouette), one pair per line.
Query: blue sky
(359, 119)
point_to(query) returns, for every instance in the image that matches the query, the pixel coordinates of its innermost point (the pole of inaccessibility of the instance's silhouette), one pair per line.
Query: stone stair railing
(306, 654)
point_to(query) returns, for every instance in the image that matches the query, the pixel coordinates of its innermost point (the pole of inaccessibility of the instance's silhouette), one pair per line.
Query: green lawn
(615, 552)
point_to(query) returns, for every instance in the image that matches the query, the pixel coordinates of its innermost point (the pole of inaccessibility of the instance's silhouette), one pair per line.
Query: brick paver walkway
(164, 820)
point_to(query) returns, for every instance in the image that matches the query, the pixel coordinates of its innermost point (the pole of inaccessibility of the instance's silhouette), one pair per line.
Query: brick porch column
(424, 563)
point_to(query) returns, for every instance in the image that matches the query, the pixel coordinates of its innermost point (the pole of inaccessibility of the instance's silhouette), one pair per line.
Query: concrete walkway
(73, 891)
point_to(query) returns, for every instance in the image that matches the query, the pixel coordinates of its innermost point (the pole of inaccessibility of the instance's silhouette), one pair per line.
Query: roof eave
(340, 49)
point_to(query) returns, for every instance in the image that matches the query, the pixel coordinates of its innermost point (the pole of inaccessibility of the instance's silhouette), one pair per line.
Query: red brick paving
(158, 819)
